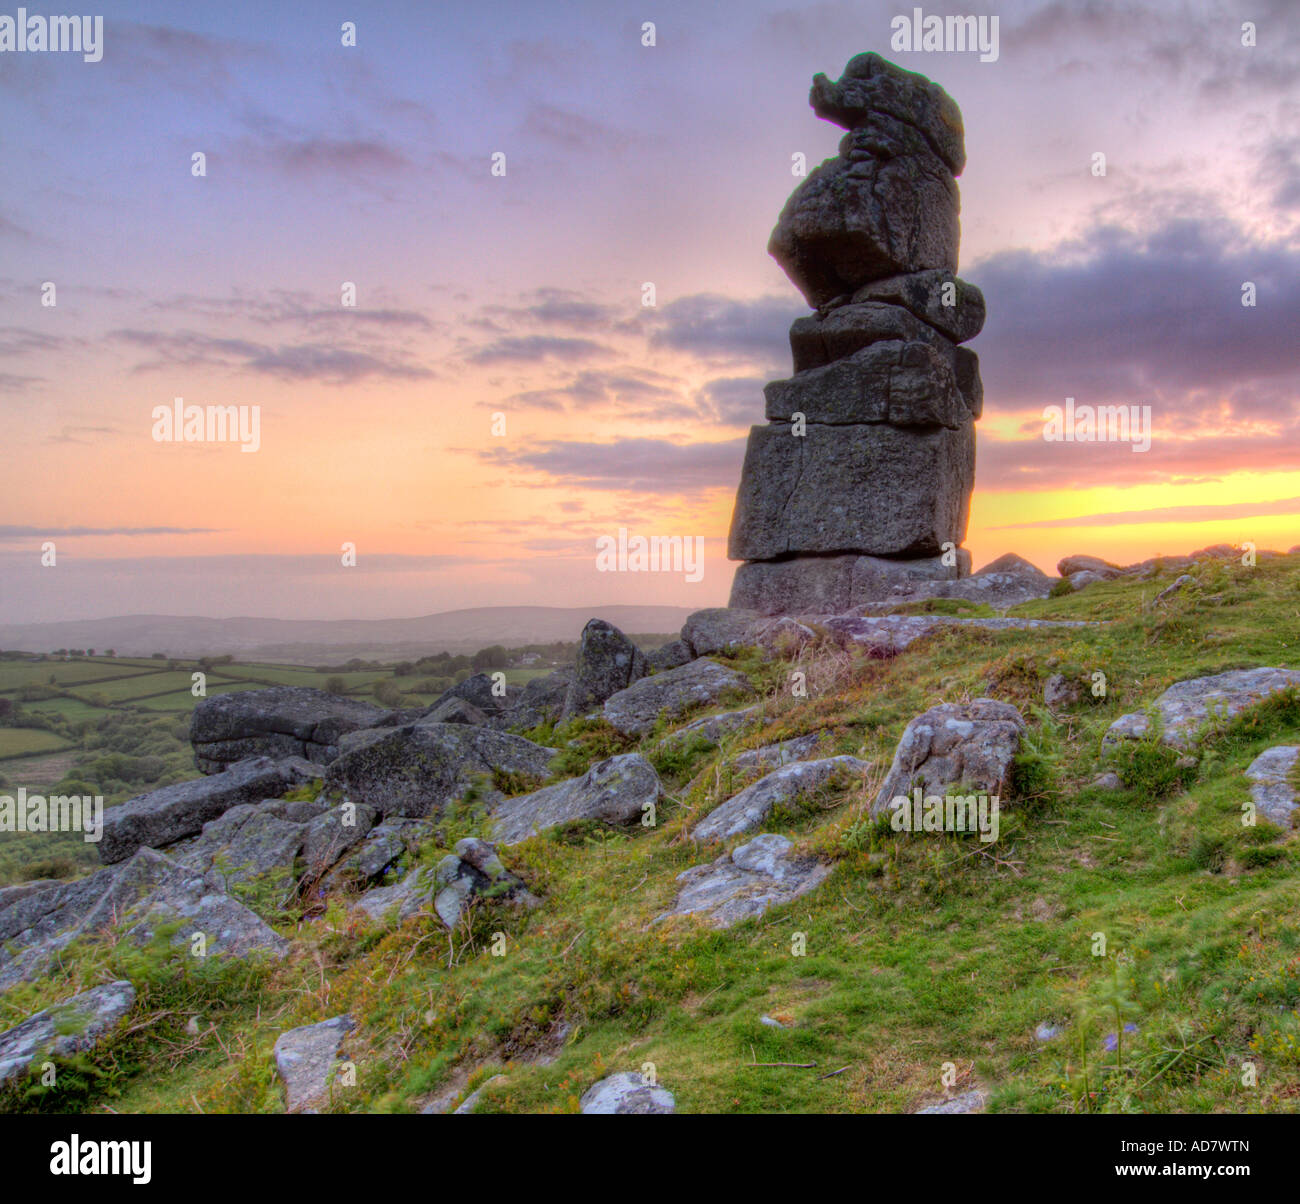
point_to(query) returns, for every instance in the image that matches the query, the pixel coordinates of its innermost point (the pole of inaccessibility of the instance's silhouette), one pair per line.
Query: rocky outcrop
(419, 769)
(74, 1026)
(140, 895)
(885, 635)
(636, 710)
(284, 721)
(1184, 708)
(626, 1094)
(620, 791)
(782, 787)
(967, 745)
(870, 447)
(306, 1060)
(607, 662)
(248, 844)
(172, 813)
(746, 882)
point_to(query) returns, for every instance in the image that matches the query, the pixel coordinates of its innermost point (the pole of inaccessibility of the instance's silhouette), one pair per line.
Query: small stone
(626, 1094)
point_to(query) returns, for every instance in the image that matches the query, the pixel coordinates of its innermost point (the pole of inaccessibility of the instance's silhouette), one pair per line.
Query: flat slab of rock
(956, 744)
(635, 710)
(834, 585)
(418, 769)
(772, 756)
(887, 634)
(746, 882)
(747, 810)
(715, 728)
(306, 1058)
(142, 893)
(966, 1102)
(1186, 705)
(74, 1026)
(619, 790)
(171, 813)
(1270, 775)
(719, 629)
(283, 721)
(626, 1094)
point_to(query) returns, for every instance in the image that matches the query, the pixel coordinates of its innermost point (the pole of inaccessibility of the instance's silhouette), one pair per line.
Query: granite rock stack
(861, 480)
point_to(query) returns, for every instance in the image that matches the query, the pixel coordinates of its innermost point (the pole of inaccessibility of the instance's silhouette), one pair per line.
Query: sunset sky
(522, 294)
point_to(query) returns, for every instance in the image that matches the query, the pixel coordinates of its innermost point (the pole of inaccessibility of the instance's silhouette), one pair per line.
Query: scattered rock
(331, 835)
(886, 635)
(541, 700)
(306, 1059)
(474, 869)
(626, 1094)
(969, 746)
(451, 709)
(1107, 781)
(1091, 564)
(619, 790)
(1048, 1032)
(746, 882)
(1186, 705)
(1085, 578)
(747, 810)
(635, 710)
(417, 770)
(607, 662)
(171, 813)
(246, 844)
(74, 1026)
(967, 1101)
(1060, 692)
(714, 728)
(470, 1102)
(284, 721)
(1270, 775)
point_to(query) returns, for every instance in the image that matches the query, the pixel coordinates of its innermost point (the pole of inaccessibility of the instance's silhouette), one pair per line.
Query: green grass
(22, 742)
(1152, 905)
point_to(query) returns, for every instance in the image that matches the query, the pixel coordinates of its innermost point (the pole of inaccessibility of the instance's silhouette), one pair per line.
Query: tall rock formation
(862, 478)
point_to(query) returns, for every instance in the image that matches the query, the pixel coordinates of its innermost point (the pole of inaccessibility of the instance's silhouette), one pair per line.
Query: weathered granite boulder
(334, 833)
(903, 384)
(885, 204)
(1271, 774)
(452, 709)
(418, 769)
(73, 1026)
(970, 745)
(772, 756)
(480, 691)
(607, 662)
(872, 86)
(171, 813)
(952, 306)
(636, 710)
(541, 701)
(746, 882)
(873, 489)
(626, 1094)
(1187, 705)
(620, 790)
(832, 585)
(747, 810)
(475, 870)
(1060, 691)
(137, 895)
(719, 629)
(245, 845)
(307, 1059)
(283, 721)
(383, 846)
(1091, 564)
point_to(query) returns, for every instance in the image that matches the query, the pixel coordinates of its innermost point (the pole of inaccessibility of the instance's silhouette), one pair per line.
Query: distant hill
(317, 641)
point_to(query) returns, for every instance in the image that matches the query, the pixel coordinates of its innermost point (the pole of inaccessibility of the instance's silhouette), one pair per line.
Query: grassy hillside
(922, 952)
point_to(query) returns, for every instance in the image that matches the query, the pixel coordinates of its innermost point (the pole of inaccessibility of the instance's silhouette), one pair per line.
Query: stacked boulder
(863, 476)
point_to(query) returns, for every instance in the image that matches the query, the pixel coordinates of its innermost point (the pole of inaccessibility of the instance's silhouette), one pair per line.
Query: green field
(21, 742)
